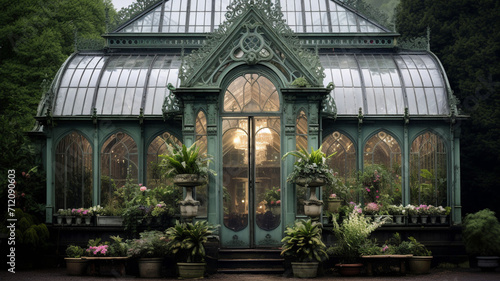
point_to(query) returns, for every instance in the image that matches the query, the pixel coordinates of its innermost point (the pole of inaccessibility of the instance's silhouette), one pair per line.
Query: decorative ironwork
(205, 65)
(329, 108)
(171, 105)
(90, 44)
(417, 43)
(268, 241)
(236, 242)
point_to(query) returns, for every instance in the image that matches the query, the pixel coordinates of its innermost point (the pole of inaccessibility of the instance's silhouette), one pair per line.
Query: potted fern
(187, 242)
(188, 168)
(303, 244)
(481, 235)
(311, 170)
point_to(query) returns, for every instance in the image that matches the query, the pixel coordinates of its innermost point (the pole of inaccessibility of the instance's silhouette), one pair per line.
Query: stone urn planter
(312, 207)
(305, 269)
(189, 206)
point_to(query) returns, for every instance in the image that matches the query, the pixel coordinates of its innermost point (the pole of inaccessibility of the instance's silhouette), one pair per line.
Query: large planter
(313, 208)
(109, 220)
(191, 270)
(75, 266)
(316, 182)
(150, 267)
(350, 269)
(333, 205)
(420, 264)
(487, 263)
(305, 269)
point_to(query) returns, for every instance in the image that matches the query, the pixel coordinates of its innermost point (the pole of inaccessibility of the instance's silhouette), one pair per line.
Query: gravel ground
(435, 275)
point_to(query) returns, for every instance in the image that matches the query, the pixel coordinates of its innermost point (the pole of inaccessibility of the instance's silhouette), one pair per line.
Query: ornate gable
(254, 33)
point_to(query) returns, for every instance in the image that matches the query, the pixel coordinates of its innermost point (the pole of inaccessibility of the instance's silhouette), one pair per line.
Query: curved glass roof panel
(379, 84)
(78, 85)
(165, 70)
(389, 84)
(200, 16)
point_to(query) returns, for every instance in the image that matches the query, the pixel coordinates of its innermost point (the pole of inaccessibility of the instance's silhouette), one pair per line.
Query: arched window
(382, 157)
(201, 140)
(158, 147)
(119, 160)
(428, 171)
(301, 132)
(251, 93)
(73, 172)
(343, 163)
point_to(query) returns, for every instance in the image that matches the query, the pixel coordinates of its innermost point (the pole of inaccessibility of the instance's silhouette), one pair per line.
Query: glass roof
(116, 85)
(380, 84)
(200, 16)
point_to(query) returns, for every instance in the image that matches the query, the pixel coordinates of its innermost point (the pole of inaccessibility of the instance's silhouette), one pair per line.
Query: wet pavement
(56, 274)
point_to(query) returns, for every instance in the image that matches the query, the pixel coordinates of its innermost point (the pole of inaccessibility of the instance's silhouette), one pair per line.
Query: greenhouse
(249, 81)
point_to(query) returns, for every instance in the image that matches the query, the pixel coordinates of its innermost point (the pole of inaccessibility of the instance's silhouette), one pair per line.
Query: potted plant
(188, 168)
(420, 263)
(150, 248)
(66, 215)
(75, 265)
(187, 242)
(107, 258)
(412, 212)
(351, 234)
(481, 235)
(311, 170)
(398, 212)
(423, 211)
(273, 200)
(445, 212)
(333, 203)
(303, 244)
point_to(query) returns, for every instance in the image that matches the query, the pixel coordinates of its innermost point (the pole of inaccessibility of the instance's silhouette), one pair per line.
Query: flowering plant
(81, 212)
(423, 209)
(351, 208)
(97, 251)
(310, 166)
(97, 210)
(436, 211)
(273, 196)
(411, 210)
(396, 210)
(371, 208)
(374, 180)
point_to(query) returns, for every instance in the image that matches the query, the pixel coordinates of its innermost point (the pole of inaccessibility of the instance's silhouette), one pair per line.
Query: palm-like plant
(187, 240)
(186, 160)
(311, 166)
(303, 242)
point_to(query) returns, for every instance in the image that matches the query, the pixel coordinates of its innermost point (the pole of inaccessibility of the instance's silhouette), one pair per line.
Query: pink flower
(143, 188)
(377, 196)
(385, 248)
(279, 190)
(333, 195)
(23, 173)
(22, 194)
(367, 189)
(140, 184)
(272, 202)
(376, 191)
(278, 202)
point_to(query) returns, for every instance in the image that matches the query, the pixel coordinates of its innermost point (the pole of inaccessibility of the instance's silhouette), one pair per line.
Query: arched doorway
(251, 166)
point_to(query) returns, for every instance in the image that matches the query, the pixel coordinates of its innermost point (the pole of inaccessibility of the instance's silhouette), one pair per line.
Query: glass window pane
(73, 172)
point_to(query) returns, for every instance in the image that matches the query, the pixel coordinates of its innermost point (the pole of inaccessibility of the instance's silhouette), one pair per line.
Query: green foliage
(187, 240)
(481, 233)
(417, 248)
(118, 247)
(303, 242)
(186, 160)
(351, 234)
(272, 195)
(301, 82)
(310, 166)
(152, 244)
(73, 251)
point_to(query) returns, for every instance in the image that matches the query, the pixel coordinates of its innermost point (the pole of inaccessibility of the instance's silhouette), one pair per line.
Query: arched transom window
(251, 93)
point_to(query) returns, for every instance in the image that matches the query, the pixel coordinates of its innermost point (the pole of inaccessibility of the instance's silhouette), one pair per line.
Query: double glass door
(251, 182)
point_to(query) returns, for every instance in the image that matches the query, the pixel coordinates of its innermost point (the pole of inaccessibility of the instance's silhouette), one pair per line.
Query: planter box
(115, 266)
(109, 221)
(390, 261)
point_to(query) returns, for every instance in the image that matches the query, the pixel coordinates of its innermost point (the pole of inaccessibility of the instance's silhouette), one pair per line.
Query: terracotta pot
(350, 269)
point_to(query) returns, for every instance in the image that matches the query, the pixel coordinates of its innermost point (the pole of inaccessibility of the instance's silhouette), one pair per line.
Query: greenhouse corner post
(49, 209)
